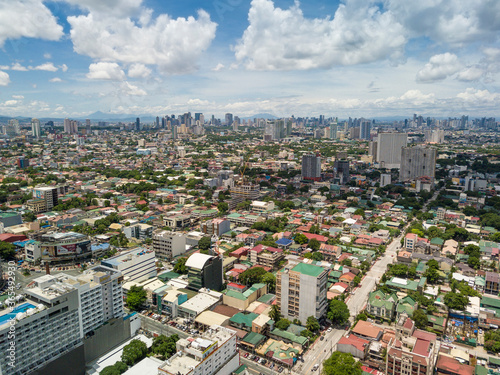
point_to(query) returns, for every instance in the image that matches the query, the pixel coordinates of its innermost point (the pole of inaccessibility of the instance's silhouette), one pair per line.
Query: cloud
(19, 97)
(48, 67)
(278, 39)
(131, 90)
(19, 67)
(64, 67)
(439, 67)
(47, 56)
(472, 95)
(36, 22)
(139, 71)
(218, 67)
(472, 73)
(4, 79)
(114, 7)
(106, 71)
(10, 103)
(55, 79)
(448, 21)
(174, 45)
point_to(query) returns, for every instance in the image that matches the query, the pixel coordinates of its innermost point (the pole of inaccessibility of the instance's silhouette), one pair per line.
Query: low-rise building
(266, 256)
(135, 265)
(168, 244)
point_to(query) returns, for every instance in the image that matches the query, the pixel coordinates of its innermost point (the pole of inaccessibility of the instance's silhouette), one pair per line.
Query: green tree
(252, 275)
(474, 262)
(456, 301)
(317, 256)
(283, 324)
(164, 346)
(420, 318)
(312, 324)
(222, 207)
(432, 275)
(275, 313)
(338, 312)
(7, 250)
(180, 266)
(134, 352)
(341, 364)
(269, 279)
(204, 243)
(300, 239)
(110, 370)
(314, 244)
(136, 297)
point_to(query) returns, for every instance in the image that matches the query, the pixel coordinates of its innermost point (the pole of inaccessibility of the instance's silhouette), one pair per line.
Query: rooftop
(308, 269)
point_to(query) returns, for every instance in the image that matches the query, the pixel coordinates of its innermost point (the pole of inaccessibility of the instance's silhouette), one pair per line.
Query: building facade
(389, 149)
(204, 271)
(417, 162)
(135, 265)
(168, 244)
(311, 167)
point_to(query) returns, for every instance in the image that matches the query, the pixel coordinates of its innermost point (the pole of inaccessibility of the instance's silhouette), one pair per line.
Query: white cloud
(218, 67)
(64, 67)
(10, 103)
(131, 90)
(47, 56)
(114, 7)
(472, 73)
(28, 18)
(19, 97)
(4, 79)
(55, 79)
(439, 67)
(18, 67)
(48, 67)
(139, 71)
(174, 45)
(278, 39)
(198, 102)
(472, 95)
(106, 71)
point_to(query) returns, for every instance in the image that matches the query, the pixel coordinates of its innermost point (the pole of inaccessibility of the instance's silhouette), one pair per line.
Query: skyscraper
(333, 130)
(157, 122)
(365, 129)
(417, 162)
(35, 128)
(88, 128)
(229, 119)
(311, 167)
(137, 124)
(389, 149)
(341, 168)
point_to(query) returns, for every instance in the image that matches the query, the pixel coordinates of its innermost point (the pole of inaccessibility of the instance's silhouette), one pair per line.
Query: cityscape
(249, 187)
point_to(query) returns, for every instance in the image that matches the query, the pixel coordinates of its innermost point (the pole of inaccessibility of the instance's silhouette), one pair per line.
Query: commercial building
(168, 244)
(215, 226)
(9, 219)
(62, 247)
(389, 149)
(214, 353)
(47, 327)
(311, 167)
(140, 231)
(204, 271)
(35, 128)
(49, 195)
(341, 169)
(417, 162)
(135, 265)
(492, 283)
(301, 291)
(243, 192)
(365, 130)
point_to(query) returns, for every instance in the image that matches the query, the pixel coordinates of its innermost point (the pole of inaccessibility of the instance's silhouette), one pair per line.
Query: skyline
(356, 58)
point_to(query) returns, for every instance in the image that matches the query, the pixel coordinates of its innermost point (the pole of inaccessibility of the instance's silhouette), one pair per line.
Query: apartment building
(139, 231)
(266, 256)
(47, 196)
(492, 283)
(216, 226)
(301, 291)
(214, 353)
(168, 244)
(135, 265)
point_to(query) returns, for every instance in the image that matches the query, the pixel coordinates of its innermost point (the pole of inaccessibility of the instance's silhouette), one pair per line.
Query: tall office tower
(372, 149)
(212, 121)
(202, 119)
(163, 122)
(137, 124)
(204, 271)
(13, 128)
(229, 119)
(321, 119)
(365, 129)
(67, 125)
(389, 149)
(50, 194)
(341, 168)
(434, 136)
(333, 130)
(354, 133)
(88, 127)
(289, 128)
(74, 126)
(311, 167)
(35, 128)
(301, 291)
(197, 116)
(157, 121)
(174, 131)
(417, 162)
(235, 125)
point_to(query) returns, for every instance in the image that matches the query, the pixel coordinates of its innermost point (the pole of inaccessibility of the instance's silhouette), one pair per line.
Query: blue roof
(102, 246)
(21, 243)
(284, 241)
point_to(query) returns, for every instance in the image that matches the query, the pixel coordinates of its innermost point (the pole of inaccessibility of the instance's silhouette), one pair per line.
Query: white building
(389, 149)
(46, 326)
(135, 265)
(259, 206)
(215, 353)
(417, 162)
(168, 245)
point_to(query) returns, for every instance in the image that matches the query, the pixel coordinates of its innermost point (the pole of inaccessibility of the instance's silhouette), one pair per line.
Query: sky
(70, 58)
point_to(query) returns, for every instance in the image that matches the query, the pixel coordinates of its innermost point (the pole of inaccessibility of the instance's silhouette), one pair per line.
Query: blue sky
(70, 58)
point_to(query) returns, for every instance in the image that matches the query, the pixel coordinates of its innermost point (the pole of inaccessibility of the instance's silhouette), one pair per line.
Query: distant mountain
(266, 116)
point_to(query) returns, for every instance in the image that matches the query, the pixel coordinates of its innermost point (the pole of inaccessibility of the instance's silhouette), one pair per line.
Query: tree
(269, 279)
(314, 244)
(317, 256)
(7, 250)
(136, 297)
(433, 263)
(29, 216)
(283, 324)
(312, 324)
(300, 239)
(204, 243)
(456, 301)
(341, 364)
(164, 346)
(474, 262)
(252, 275)
(134, 352)
(492, 341)
(432, 275)
(338, 312)
(275, 313)
(110, 370)
(180, 266)
(222, 207)
(420, 318)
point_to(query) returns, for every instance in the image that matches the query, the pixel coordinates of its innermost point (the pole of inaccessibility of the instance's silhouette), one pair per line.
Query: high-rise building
(341, 169)
(168, 244)
(137, 124)
(23, 162)
(389, 149)
(216, 226)
(301, 291)
(174, 131)
(135, 265)
(289, 128)
(385, 179)
(50, 194)
(372, 149)
(243, 192)
(157, 122)
(13, 129)
(88, 127)
(311, 167)
(163, 122)
(229, 119)
(204, 271)
(333, 130)
(417, 162)
(35, 128)
(365, 129)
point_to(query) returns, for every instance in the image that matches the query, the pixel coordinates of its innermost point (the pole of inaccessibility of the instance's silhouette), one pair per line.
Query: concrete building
(168, 244)
(311, 167)
(243, 192)
(365, 130)
(385, 179)
(46, 327)
(492, 283)
(204, 271)
(341, 169)
(135, 265)
(266, 256)
(215, 226)
(9, 219)
(50, 195)
(214, 353)
(417, 162)
(140, 231)
(389, 149)
(301, 291)
(58, 247)
(35, 128)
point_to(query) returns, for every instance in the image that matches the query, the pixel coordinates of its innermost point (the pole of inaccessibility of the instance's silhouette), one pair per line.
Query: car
(245, 355)
(329, 330)
(322, 338)
(315, 367)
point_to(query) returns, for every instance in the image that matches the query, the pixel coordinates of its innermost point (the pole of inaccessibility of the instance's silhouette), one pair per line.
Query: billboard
(52, 252)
